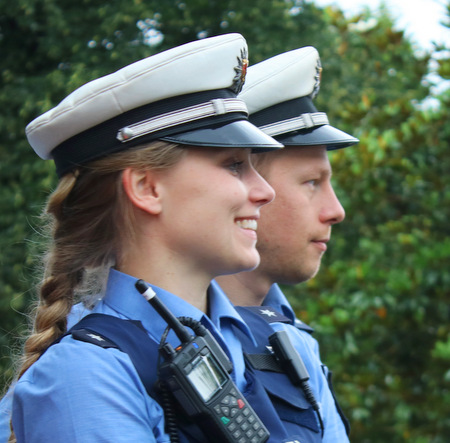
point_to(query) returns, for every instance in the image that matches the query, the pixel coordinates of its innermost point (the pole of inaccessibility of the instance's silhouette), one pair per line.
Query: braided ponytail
(56, 288)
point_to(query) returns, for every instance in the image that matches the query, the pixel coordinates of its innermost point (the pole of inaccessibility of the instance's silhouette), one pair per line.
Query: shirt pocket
(290, 402)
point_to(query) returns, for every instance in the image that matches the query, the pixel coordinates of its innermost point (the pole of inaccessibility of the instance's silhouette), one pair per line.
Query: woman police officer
(156, 183)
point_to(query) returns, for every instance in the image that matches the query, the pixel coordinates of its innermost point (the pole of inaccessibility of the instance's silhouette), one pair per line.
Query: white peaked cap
(279, 95)
(186, 94)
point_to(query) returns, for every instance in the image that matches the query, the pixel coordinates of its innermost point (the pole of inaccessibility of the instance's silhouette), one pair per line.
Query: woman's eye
(236, 166)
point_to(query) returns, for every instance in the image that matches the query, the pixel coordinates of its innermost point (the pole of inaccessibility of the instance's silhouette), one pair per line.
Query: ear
(142, 190)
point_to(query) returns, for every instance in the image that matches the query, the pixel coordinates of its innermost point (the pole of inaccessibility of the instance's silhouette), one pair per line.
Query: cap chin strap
(189, 114)
(303, 121)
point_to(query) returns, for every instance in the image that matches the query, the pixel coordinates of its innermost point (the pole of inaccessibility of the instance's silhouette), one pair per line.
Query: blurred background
(380, 304)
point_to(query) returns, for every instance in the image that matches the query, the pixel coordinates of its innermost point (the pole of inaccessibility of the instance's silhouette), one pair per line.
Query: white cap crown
(185, 88)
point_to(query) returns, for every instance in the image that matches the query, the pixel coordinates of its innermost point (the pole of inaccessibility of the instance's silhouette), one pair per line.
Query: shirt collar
(221, 310)
(122, 296)
(277, 300)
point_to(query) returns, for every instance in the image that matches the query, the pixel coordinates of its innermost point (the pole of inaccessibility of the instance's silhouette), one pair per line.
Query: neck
(164, 270)
(245, 288)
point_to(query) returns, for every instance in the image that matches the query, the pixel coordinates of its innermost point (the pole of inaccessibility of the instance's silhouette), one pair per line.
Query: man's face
(294, 229)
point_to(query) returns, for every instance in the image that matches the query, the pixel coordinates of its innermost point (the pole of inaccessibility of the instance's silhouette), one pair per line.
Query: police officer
(294, 230)
(156, 183)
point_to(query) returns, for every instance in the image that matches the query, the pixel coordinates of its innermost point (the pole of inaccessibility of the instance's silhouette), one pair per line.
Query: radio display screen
(206, 377)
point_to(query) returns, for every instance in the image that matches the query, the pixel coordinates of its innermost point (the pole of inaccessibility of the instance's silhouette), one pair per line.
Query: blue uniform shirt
(308, 348)
(78, 391)
(76, 314)
(5, 416)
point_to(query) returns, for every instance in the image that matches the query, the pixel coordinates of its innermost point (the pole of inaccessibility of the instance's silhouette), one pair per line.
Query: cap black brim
(324, 135)
(236, 134)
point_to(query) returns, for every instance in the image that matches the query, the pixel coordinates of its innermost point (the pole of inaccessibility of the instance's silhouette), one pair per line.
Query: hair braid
(56, 288)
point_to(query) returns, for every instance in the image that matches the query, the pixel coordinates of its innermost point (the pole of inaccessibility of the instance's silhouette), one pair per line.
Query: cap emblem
(317, 79)
(241, 72)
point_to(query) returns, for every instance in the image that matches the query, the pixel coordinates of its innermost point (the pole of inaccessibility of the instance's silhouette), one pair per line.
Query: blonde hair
(90, 219)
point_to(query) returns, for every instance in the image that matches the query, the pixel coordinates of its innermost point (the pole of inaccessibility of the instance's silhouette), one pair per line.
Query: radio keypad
(241, 422)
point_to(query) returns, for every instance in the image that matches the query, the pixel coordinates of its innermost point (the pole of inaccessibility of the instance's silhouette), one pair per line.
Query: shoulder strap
(128, 336)
(271, 315)
(267, 313)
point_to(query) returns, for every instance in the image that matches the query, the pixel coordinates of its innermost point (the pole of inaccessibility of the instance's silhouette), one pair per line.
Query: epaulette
(269, 314)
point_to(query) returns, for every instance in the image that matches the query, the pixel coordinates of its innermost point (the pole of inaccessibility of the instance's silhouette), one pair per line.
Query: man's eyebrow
(325, 172)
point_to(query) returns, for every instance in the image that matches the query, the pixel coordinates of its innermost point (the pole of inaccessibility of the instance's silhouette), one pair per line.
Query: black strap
(263, 362)
(129, 336)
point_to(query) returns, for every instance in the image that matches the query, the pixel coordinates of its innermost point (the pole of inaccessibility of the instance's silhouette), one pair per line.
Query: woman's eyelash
(236, 165)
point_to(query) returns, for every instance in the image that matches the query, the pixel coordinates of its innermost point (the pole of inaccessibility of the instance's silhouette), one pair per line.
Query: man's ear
(142, 190)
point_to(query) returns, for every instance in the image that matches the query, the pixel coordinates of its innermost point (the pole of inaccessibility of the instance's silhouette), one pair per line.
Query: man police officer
(295, 228)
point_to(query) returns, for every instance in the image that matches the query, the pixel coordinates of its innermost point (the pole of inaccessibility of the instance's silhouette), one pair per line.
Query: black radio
(197, 374)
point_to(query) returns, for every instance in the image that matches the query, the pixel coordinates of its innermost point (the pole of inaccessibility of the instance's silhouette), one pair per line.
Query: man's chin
(300, 275)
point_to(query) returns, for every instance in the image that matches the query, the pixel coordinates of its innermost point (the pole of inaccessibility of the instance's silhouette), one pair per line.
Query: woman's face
(211, 201)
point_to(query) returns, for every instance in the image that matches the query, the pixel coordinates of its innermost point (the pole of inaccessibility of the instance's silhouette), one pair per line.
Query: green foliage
(380, 302)
(387, 302)
(381, 298)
